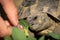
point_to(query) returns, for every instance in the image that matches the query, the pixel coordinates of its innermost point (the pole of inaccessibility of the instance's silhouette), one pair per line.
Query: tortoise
(42, 15)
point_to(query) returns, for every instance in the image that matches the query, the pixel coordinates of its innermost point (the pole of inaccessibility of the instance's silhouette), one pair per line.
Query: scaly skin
(40, 8)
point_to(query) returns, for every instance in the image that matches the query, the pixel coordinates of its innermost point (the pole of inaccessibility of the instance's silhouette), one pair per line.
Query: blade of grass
(56, 36)
(41, 38)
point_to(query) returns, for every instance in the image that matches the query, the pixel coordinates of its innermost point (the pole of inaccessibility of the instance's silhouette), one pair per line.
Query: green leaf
(17, 34)
(26, 32)
(7, 38)
(41, 38)
(56, 36)
(31, 38)
(24, 23)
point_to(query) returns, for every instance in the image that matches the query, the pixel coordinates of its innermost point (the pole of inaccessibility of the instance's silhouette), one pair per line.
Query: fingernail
(15, 23)
(20, 26)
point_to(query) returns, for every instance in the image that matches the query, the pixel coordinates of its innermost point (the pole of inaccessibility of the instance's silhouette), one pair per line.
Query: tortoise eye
(28, 2)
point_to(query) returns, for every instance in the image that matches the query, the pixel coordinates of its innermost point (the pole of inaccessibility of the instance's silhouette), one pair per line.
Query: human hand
(12, 14)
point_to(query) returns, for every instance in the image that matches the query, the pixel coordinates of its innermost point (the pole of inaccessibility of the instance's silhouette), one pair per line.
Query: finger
(7, 23)
(3, 28)
(10, 10)
(20, 27)
(9, 27)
